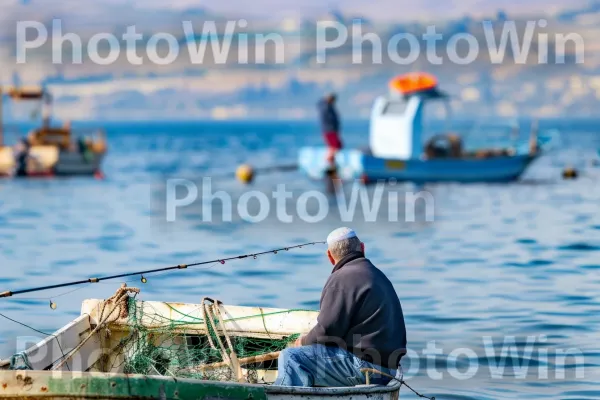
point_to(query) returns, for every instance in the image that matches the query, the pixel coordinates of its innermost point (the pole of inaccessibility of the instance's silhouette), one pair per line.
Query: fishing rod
(151, 271)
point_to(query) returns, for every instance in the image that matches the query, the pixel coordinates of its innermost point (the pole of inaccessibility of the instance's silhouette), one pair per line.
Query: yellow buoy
(570, 173)
(245, 173)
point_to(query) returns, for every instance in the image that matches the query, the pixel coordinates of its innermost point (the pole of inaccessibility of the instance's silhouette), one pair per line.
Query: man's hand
(298, 342)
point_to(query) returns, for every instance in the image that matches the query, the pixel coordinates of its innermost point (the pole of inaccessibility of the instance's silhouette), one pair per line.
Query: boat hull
(29, 385)
(96, 355)
(73, 163)
(53, 163)
(355, 164)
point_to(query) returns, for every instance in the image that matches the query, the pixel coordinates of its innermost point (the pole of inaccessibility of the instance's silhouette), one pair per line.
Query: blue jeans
(319, 365)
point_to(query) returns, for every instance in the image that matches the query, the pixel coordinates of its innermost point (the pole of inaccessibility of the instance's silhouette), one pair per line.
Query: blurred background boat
(402, 147)
(48, 150)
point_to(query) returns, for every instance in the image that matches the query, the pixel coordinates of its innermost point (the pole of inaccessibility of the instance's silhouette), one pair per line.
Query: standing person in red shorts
(330, 125)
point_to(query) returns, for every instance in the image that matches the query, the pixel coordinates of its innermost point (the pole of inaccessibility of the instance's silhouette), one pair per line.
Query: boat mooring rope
(366, 371)
(151, 271)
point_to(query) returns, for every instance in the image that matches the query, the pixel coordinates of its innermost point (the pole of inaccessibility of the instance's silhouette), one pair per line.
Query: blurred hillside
(186, 90)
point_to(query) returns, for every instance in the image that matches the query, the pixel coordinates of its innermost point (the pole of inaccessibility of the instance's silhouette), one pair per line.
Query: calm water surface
(498, 261)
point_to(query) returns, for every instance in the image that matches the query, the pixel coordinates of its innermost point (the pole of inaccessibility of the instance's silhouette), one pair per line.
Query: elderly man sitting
(360, 325)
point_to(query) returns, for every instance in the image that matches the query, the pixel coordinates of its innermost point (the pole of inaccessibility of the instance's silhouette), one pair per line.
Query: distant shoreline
(304, 121)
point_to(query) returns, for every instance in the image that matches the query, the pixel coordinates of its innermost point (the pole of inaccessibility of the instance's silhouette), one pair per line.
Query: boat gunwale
(34, 378)
(191, 324)
(333, 391)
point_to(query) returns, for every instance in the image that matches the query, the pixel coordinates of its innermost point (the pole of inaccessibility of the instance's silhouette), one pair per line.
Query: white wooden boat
(91, 357)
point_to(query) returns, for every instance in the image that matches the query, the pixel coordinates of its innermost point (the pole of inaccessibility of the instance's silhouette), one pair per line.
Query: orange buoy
(570, 173)
(413, 82)
(245, 174)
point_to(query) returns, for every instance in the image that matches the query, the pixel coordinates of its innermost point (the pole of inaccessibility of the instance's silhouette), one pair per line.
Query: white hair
(342, 242)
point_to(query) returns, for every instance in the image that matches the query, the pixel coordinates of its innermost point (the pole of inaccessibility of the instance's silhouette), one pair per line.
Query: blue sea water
(498, 263)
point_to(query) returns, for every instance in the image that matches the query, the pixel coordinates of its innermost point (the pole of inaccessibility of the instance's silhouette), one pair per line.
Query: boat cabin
(398, 121)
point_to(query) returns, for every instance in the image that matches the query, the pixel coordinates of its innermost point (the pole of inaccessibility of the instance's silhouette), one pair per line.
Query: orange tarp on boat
(413, 82)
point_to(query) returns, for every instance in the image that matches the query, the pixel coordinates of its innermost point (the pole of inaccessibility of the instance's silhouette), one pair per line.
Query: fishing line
(38, 331)
(54, 297)
(24, 325)
(402, 381)
(151, 271)
(143, 279)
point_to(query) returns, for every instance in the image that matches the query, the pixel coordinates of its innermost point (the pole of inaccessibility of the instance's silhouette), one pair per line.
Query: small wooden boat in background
(123, 348)
(51, 150)
(401, 149)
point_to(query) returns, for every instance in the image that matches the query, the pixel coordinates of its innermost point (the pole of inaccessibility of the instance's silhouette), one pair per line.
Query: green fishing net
(167, 347)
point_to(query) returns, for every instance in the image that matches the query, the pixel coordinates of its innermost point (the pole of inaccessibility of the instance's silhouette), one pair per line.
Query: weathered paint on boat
(30, 385)
(41, 384)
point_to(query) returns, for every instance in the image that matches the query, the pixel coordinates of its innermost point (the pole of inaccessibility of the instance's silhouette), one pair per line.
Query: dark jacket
(360, 311)
(21, 158)
(330, 121)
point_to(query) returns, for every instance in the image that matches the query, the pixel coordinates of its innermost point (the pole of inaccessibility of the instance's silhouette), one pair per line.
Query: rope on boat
(209, 318)
(120, 302)
(210, 309)
(237, 369)
(24, 359)
(152, 271)
(366, 371)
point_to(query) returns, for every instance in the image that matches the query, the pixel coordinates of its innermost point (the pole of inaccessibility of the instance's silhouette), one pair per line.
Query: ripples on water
(499, 260)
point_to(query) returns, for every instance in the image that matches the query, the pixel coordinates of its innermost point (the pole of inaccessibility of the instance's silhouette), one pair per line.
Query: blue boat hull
(354, 164)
